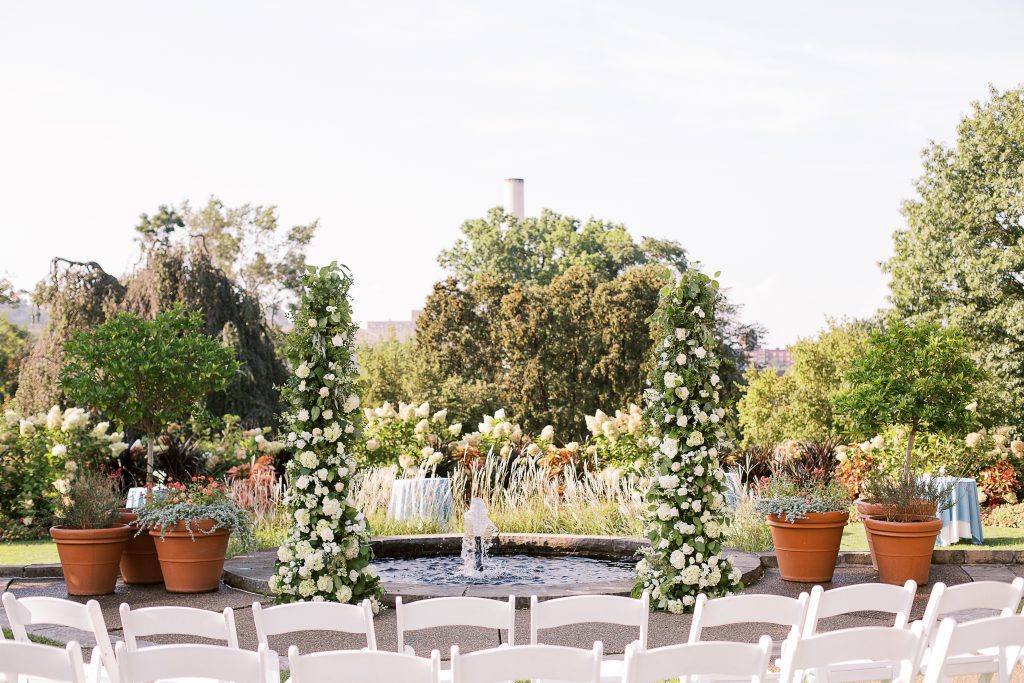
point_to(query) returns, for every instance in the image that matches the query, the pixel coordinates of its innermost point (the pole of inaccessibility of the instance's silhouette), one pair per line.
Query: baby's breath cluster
(327, 553)
(687, 493)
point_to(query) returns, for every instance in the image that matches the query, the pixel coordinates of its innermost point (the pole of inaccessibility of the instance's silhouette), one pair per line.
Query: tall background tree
(960, 259)
(543, 316)
(547, 318)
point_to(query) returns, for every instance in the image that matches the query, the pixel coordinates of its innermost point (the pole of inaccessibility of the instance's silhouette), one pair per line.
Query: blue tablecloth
(963, 519)
(733, 488)
(423, 498)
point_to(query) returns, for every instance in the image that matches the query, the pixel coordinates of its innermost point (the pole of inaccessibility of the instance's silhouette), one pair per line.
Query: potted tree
(88, 536)
(918, 377)
(145, 374)
(193, 523)
(806, 515)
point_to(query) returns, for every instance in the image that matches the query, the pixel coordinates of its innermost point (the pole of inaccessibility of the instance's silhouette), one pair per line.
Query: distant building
(373, 331)
(779, 359)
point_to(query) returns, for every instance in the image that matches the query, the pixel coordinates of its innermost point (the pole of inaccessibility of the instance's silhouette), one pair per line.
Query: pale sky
(775, 140)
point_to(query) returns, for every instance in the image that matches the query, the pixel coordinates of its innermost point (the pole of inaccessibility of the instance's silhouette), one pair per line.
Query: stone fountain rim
(434, 545)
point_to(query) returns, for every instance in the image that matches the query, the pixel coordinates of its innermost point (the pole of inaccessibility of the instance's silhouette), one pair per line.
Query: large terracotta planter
(903, 549)
(191, 565)
(867, 508)
(807, 548)
(139, 563)
(90, 557)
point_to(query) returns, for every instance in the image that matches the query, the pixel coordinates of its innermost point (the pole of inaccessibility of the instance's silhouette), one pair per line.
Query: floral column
(687, 493)
(327, 553)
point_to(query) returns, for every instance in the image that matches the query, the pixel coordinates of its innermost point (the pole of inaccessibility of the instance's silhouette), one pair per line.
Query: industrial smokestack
(514, 197)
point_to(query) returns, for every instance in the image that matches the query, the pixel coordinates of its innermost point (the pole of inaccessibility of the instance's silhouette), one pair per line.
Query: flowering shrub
(619, 442)
(498, 434)
(409, 437)
(202, 498)
(1009, 515)
(37, 451)
(999, 483)
(233, 447)
(972, 456)
(686, 497)
(327, 553)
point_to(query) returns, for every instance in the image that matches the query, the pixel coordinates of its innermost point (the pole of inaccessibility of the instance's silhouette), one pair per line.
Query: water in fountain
(479, 531)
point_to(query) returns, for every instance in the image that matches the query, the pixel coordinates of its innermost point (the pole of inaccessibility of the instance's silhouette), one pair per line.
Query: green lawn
(996, 537)
(43, 552)
(28, 552)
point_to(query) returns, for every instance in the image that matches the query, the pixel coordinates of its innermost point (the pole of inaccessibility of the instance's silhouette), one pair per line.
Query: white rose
(700, 352)
(302, 372)
(311, 322)
(328, 414)
(303, 415)
(337, 340)
(681, 359)
(715, 379)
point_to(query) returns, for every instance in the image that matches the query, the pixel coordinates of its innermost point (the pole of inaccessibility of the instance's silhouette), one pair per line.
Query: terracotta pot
(903, 549)
(191, 565)
(807, 548)
(139, 563)
(90, 557)
(865, 509)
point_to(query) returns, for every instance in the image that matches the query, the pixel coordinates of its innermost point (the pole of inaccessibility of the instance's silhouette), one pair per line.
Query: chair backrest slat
(185, 621)
(194, 661)
(868, 647)
(994, 595)
(456, 611)
(583, 609)
(527, 662)
(746, 609)
(864, 597)
(354, 666)
(707, 659)
(321, 616)
(41, 661)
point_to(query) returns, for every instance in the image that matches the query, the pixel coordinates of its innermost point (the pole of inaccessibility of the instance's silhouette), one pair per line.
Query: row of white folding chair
(983, 646)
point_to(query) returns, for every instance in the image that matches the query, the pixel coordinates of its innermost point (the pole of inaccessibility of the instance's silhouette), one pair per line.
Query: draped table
(422, 498)
(963, 519)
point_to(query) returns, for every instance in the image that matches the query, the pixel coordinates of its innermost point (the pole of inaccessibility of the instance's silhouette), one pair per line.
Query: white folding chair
(998, 596)
(185, 621)
(864, 597)
(24, 612)
(590, 609)
(527, 662)
(320, 616)
(215, 662)
(41, 661)
(706, 661)
(749, 609)
(457, 611)
(854, 654)
(982, 646)
(356, 666)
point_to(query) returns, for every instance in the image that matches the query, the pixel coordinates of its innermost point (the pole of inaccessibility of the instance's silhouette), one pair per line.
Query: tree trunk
(910, 449)
(149, 457)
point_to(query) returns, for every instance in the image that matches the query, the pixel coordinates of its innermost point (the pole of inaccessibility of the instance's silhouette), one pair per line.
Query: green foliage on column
(687, 494)
(327, 553)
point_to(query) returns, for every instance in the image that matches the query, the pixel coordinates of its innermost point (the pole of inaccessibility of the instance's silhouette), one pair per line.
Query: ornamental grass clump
(88, 500)
(203, 498)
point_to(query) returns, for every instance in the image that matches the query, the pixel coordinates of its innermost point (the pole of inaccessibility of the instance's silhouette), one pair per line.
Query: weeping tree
(683, 404)
(327, 554)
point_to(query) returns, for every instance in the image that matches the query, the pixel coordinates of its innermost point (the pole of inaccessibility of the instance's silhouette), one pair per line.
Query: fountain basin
(251, 572)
